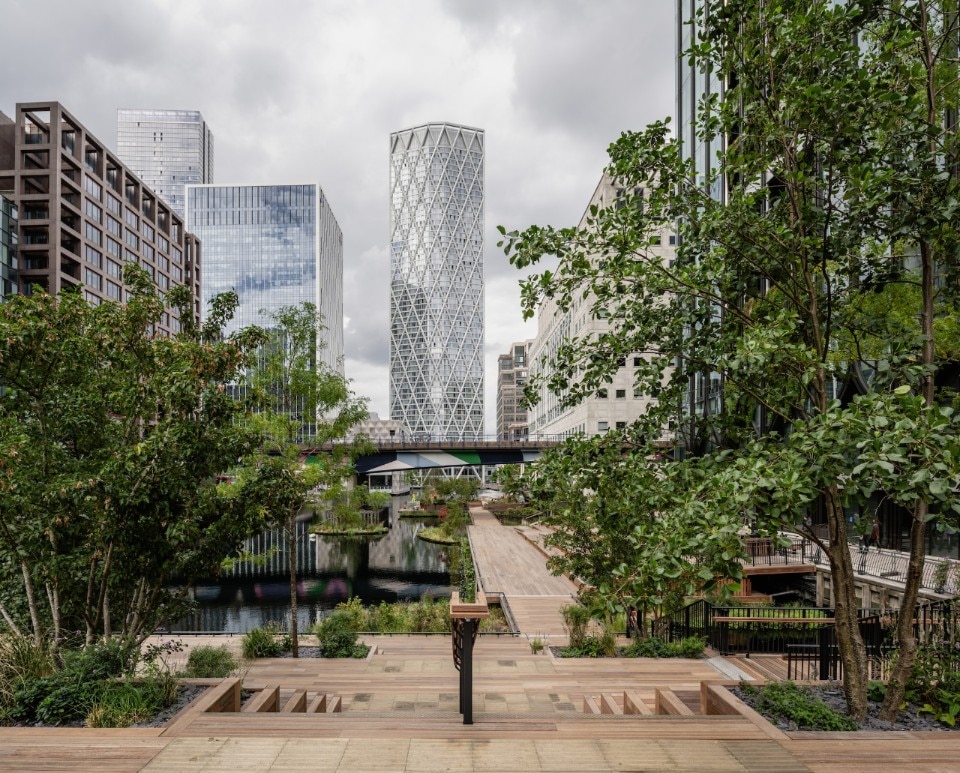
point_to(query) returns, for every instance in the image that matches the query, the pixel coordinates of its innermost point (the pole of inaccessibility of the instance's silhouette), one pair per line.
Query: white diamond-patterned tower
(436, 280)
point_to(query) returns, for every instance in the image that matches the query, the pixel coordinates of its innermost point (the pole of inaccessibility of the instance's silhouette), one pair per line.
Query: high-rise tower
(275, 246)
(436, 280)
(167, 149)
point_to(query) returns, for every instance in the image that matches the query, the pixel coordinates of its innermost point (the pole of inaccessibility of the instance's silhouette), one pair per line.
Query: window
(147, 230)
(92, 187)
(621, 425)
(132, 220)
(133, 240)
(621, 394)
(637, 394)
(92, 234)
(602, 394)
(114, 205)
(113, 247)
(92, 279)
(672, 241)
(603, 426)
(93, 211)
(113, 269)
(113, 291)
(113, 226)
(636, 362)
(92, 256)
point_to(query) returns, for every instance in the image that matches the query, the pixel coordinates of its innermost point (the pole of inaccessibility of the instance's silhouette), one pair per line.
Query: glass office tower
(167, 149)
(436, 280)
(275, 245)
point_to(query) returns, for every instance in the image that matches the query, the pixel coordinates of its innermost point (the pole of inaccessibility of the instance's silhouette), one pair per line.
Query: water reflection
(395, 566)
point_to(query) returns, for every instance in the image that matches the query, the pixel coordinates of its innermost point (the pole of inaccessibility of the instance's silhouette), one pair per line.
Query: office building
(511, 380)
(275, 246)
(83, 213)
(619, 403)
(167, 149)
(436, 280)
(8, 247)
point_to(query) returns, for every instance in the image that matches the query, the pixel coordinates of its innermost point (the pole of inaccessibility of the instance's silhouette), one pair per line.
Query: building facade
(618, 404)
(511, 380)
(436, 280)
(167, 149)
(275, 246)
(8, 247)
(83, 213)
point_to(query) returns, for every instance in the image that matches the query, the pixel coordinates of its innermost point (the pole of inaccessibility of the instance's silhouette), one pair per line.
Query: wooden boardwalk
(507, 563)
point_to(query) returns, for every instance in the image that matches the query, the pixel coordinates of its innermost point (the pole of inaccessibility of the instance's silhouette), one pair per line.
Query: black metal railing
(763, 551)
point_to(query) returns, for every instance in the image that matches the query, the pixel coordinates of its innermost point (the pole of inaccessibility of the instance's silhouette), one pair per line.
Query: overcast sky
(309, 90)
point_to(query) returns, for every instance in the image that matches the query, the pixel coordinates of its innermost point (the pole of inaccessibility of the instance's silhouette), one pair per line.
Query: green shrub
(337, 638)
(468, 575)
(22, 660)
(206, 662)
(691, 647)
(779, 701)
(263, 642)
(67, 695)
(123, 704)
(576, 619)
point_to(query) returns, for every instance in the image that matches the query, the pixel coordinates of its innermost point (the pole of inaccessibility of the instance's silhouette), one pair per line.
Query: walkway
(510, 565)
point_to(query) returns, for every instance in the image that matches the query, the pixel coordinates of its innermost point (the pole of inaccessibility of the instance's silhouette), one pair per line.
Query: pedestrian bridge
(387, 456)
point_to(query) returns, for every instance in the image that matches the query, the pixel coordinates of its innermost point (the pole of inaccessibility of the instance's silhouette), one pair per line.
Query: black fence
(807, 635)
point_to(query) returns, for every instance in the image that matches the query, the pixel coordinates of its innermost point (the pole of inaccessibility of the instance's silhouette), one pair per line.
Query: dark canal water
(396, 566)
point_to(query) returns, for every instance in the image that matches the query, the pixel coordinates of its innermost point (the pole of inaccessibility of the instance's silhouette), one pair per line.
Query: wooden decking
(510, 565)
(532, 712)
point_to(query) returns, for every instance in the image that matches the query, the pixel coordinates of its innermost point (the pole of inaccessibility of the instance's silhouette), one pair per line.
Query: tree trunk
(906, 641)
(31, 601)
(850, 642)
(292, 552)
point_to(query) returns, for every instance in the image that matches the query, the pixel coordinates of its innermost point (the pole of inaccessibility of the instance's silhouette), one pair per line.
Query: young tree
(300, 405)
(840, 182)
(641, 531)
(110, 442)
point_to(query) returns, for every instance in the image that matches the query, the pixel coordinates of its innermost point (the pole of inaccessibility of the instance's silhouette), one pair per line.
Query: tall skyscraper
(83, 213)
(275, 245)
(167, 149)
(436, 279)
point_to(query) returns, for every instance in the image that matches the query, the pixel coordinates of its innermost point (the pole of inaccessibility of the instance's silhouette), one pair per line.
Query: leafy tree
(299, 404)
(641, 531)
(821, 276)
(110, 442)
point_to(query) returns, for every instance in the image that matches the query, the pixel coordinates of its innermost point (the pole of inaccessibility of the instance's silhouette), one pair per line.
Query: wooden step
(297, 703)
(318, 705)
(609, 705)
(268, 699)
(669, 703)
(334, 704)
(632, 704)
(590, 705)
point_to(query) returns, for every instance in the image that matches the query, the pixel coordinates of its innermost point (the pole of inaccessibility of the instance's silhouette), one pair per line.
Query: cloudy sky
(309, 90)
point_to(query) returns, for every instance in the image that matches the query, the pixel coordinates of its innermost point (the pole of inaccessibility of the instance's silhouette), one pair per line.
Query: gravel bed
(832, 695)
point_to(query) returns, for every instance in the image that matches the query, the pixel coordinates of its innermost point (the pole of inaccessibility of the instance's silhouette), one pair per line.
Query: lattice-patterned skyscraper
(436, 280)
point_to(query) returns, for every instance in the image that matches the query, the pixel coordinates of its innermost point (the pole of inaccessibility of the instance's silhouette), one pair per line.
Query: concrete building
(436, 280)
(167, 149)
(379, 430)
(8, 247)
(275, 246)
(511, 380)
(619, 403)
(83, 213)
